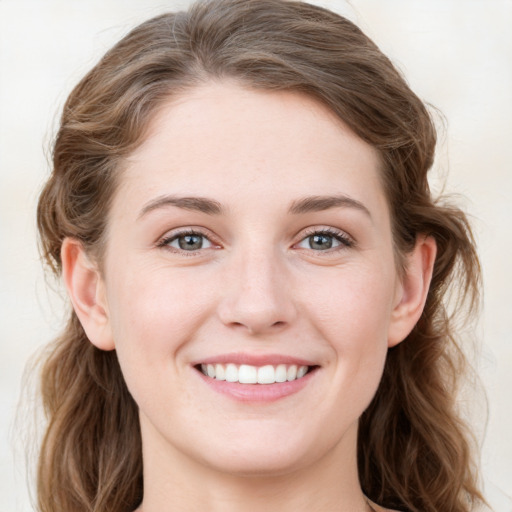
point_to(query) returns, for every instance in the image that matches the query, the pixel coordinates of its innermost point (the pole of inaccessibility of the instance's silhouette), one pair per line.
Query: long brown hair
(414, 452)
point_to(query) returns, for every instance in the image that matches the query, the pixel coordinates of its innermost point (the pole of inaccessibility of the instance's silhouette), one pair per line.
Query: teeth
(248, 374)
(291, 374)
(301, 371)
(231, 373)
(220, 372)
(281, 373)
(266, 374)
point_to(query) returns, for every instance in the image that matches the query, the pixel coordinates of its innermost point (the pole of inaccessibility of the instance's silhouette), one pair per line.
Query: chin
(247, 466)
(262, 455)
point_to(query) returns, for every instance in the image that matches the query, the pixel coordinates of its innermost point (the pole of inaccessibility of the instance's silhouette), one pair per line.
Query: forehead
(232, 141)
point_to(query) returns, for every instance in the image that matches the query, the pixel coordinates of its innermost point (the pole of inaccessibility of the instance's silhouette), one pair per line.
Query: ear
(412, 290)
(86, 290)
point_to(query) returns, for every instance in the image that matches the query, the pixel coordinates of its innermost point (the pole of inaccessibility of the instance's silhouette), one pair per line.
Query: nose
(257, 296)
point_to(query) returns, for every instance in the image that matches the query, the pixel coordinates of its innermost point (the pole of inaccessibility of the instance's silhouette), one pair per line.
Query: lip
(256, 393)
(239, 358)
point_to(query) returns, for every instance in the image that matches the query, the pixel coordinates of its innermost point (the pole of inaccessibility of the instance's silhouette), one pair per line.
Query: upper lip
(254, 359)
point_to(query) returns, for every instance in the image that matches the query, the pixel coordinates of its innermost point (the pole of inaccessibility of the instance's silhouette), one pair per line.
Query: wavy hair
(414, 451)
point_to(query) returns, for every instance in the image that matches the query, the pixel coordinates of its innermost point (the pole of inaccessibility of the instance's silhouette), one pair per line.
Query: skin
(257, 286)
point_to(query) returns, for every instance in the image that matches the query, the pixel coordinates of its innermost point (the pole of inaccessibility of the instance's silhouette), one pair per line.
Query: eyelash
(165, 242)
(344, 240)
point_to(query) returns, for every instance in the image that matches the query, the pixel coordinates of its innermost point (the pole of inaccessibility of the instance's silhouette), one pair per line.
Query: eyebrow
(212, 207)
(198, 204)
(320, 203)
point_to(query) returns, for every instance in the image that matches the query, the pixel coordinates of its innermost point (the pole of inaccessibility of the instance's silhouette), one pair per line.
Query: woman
(240, 212)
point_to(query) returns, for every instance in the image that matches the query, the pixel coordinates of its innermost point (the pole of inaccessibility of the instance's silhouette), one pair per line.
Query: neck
(174, 481)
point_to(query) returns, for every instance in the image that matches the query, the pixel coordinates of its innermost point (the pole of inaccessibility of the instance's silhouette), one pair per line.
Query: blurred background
(456, 55)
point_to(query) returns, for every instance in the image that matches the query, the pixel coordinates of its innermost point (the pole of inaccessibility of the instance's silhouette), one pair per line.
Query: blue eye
(187, 242)
(323, 241)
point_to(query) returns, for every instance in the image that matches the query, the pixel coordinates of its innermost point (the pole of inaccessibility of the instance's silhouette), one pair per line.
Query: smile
(248, 374)
(256, 378)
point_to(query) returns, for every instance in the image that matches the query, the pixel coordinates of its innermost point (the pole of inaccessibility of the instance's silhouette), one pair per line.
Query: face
(250, 240)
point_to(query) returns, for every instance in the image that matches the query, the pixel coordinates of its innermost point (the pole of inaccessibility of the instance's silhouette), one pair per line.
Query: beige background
(456, 54)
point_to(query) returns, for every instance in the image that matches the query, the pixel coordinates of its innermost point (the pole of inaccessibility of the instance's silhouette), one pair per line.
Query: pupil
(321, 242)
(190, 242)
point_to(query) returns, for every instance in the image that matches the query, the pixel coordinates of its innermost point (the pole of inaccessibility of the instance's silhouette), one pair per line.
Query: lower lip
(257, 392)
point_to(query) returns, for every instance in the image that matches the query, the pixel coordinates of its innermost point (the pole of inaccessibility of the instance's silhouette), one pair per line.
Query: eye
(324, 240)
(188, 241)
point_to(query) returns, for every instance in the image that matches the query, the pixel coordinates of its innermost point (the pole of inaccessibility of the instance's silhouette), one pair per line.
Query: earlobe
(86, 290)
(413, 290)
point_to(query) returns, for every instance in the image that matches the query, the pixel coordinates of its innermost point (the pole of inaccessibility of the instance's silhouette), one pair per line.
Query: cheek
(353, 316)
(151, 318)
(156, 310)
(353, 309)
